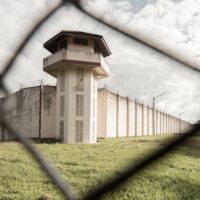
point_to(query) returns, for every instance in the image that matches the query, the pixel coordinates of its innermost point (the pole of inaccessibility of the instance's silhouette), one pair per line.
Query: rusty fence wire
(113, 182)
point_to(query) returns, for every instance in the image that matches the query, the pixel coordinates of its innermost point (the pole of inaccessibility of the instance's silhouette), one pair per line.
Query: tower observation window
(81, 41)
(63, 44)
(96, 49)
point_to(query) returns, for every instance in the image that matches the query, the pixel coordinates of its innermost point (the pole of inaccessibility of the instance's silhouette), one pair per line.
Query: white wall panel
(111, 123)
(139, 119)
(122, 117)
(131, 118)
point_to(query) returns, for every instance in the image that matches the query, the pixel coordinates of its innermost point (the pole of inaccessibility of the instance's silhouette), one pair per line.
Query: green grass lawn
(176, 176)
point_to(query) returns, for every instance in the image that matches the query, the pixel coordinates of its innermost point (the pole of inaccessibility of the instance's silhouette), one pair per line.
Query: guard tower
(77, 61)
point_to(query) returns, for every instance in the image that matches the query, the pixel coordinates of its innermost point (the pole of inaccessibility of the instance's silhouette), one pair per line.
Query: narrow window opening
(62, 106)
(62, 44)
(81, 41)
(80, 80)
(61, 130)
(79, 131)
(79, 105)
(62, 82)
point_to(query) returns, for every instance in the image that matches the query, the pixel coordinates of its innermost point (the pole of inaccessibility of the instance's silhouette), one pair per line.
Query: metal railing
(72, 54)
(133, 169)
(95, 60)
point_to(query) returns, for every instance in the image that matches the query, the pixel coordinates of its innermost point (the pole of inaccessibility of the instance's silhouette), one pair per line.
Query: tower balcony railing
(73, 55)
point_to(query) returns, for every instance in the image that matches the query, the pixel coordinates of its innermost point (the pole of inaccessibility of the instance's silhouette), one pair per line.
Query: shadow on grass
(46, 141)
(193, 152)
(157, 187)
(192, 142)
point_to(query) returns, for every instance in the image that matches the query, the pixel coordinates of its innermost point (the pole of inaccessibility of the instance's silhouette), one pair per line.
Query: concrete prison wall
(120, 116)
(22, 113)
(48, 112)
(31, 111)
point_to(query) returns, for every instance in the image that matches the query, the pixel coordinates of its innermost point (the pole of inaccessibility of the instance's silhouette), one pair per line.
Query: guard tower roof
(51, 44)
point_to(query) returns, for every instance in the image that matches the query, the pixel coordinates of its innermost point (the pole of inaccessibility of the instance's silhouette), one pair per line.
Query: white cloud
(176, 24)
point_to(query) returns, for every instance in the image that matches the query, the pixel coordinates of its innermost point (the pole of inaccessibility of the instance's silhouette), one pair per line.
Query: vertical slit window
(79, 130)
(80, 80)
(61, 130)
(79, 105)
(62, 106)
(62, 82)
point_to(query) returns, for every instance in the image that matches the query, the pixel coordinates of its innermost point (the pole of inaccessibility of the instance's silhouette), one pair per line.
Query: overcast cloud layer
(135, 70)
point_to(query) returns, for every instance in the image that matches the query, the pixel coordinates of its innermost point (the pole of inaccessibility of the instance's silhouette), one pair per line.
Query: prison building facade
(32, 111)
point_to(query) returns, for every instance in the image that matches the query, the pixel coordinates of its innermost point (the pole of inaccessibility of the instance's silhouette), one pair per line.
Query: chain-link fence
(133, 169)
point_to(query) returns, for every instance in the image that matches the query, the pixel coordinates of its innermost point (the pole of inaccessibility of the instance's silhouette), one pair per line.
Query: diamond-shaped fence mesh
(133, 169)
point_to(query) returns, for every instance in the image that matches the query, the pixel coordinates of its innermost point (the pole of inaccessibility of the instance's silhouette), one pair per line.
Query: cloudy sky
(136, 70)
